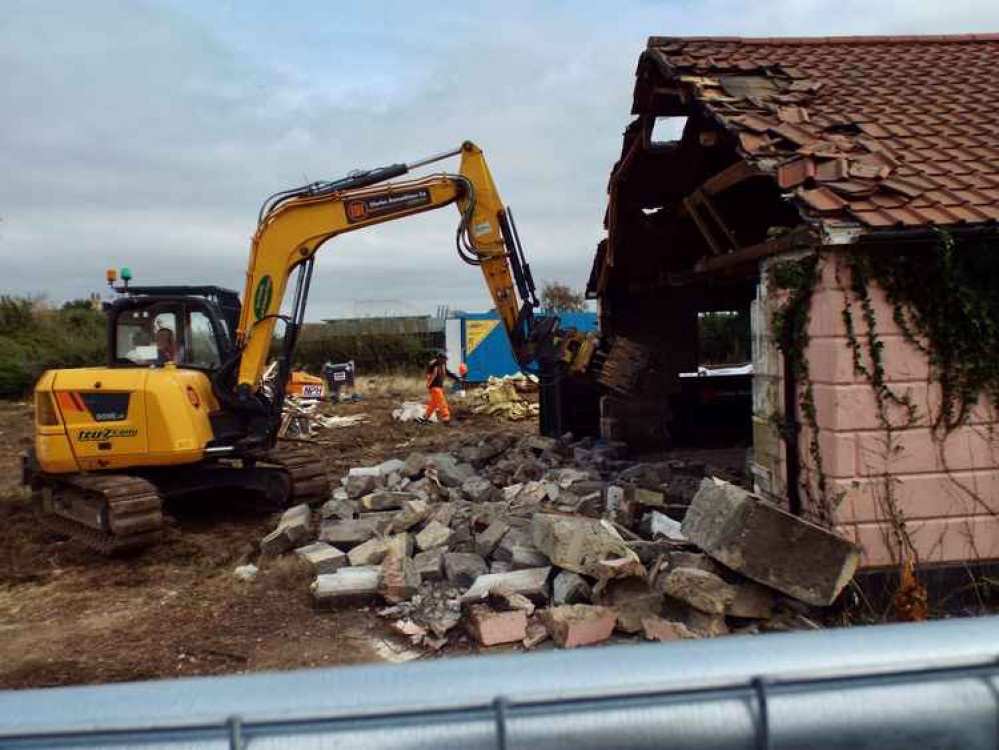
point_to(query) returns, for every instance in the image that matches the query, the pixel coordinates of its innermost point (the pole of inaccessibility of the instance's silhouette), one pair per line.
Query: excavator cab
(189, 326)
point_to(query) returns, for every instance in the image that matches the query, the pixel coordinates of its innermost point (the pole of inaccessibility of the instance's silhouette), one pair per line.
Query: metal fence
(934, 685)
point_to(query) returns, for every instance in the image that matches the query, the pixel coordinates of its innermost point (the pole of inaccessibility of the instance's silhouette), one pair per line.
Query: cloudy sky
(147, 133)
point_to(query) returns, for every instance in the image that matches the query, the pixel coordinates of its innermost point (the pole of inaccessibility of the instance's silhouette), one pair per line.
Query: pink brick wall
(947, 492)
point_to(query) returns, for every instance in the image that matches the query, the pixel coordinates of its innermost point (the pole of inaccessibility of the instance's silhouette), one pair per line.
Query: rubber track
(304, 464)
(133, 516)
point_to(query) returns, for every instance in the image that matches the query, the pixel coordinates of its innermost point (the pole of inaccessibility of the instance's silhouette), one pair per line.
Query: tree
(559, 298)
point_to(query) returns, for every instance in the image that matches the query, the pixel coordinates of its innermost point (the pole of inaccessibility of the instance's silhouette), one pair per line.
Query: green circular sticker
(262, 297)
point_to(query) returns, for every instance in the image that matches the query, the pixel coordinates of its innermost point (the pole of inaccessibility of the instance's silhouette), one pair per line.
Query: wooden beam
(729, 177)
(800, 237)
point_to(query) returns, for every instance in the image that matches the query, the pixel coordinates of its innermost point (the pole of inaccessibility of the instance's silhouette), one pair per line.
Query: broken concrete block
(582, 544)
(491, 628)
(488, 540)
(434, 534)
(574, 625)
(442, 513)
(414, 466)
(705, 624)
(413, 512)
(461, 539)
(446, 469)
(386, 500)
(700, 589)
(652, 498)
(503, 599)
(392, 466)
(324, 558)
(537, 634)
(662, 526)
(400, 579)
(430, 564)
(373, 551)
(752, 601)
(361, 481)
(523, 558)
(400, 544)
(479, 490)
(538, 444)
(769, 545)
(347, 534)
(531, 583)
(570, 588)
(632, 599)
(516, 537)
(499, 566)
(462, 568)
(614, 496)
(293, 530)
(347, 586)
(338, 509)
(658, 629)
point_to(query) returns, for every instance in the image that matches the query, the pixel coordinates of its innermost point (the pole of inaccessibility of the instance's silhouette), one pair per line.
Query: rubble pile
(518, 541)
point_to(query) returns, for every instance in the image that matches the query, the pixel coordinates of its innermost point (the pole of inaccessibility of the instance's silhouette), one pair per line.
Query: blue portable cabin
(478, 340)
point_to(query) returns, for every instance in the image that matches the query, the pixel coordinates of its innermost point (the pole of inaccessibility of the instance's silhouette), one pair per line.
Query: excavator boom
(295, 224)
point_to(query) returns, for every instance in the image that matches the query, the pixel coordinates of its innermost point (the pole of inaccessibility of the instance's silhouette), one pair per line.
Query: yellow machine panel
(117, 418)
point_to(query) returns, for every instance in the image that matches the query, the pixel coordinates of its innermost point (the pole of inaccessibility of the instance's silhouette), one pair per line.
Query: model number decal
(85, 436)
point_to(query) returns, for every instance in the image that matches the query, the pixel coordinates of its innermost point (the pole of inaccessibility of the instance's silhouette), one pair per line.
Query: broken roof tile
(753, 122)
(794, 133)
(885, 122)
(793, 115)
(902, 186)
(828, 170)
(822, 199)
(792, 173)
(853, 187)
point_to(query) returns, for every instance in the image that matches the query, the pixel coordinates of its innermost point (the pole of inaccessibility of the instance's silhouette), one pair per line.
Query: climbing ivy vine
(945, 300)
(790, 330)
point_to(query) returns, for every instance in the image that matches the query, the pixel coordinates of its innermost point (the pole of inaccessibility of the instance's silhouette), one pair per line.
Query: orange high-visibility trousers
(437, 403)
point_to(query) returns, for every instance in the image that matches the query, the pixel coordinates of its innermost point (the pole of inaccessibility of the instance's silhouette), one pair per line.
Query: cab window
(203, 348)
(168, 332)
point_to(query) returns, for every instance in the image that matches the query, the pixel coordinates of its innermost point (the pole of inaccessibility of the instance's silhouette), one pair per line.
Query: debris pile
(507, 397)
(518, 541)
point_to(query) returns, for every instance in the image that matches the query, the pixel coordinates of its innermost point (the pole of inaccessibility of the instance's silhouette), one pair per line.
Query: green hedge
(35, 338)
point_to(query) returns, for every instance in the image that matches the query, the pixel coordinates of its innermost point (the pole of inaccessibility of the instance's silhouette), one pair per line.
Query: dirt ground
(69, 616)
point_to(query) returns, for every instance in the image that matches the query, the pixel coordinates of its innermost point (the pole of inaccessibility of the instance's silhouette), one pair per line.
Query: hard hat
(463, 369)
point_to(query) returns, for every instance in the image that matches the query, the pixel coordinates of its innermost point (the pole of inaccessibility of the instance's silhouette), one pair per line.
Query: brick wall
(946, 490)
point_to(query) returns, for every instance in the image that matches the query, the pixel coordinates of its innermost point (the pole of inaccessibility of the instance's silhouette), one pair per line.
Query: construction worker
(436, 372)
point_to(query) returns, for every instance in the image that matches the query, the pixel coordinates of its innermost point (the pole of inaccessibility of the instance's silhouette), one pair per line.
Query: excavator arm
(294, 225)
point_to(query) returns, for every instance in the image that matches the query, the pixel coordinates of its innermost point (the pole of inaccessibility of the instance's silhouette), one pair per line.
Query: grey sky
(148, 133)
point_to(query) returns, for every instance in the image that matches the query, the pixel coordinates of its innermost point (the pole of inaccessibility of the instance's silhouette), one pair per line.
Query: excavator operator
(436, 402)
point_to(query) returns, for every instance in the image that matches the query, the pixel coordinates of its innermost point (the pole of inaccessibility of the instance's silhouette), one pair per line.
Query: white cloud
(149, 133)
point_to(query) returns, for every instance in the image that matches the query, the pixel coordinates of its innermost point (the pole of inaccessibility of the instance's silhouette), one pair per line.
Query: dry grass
(406, 386)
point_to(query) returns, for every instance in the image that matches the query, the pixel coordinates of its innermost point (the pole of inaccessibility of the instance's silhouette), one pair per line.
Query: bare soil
(70, 616)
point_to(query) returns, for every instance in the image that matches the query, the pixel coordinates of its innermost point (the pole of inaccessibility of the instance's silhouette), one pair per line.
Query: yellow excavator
(180, 407)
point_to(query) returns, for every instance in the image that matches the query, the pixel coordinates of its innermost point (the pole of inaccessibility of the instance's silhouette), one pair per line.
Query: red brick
(491, 628)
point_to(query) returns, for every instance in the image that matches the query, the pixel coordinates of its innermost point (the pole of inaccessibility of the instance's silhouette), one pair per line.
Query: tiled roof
(882, 131)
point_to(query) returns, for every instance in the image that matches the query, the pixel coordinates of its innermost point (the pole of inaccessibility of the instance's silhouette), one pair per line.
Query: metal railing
(933, 685)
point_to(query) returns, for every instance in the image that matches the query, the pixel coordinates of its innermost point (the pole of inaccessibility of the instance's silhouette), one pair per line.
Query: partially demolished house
(843, 192)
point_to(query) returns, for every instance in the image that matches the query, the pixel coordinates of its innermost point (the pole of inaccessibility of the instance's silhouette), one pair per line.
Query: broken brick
(572, 625)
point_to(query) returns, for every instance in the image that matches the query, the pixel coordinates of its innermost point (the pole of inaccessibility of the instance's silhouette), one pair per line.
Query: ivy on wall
(944, 298)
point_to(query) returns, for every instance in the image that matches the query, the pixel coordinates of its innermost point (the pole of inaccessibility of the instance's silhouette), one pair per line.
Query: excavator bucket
(624, 365)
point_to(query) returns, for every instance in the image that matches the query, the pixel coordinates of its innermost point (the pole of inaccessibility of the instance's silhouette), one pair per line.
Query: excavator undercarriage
(122, 511)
